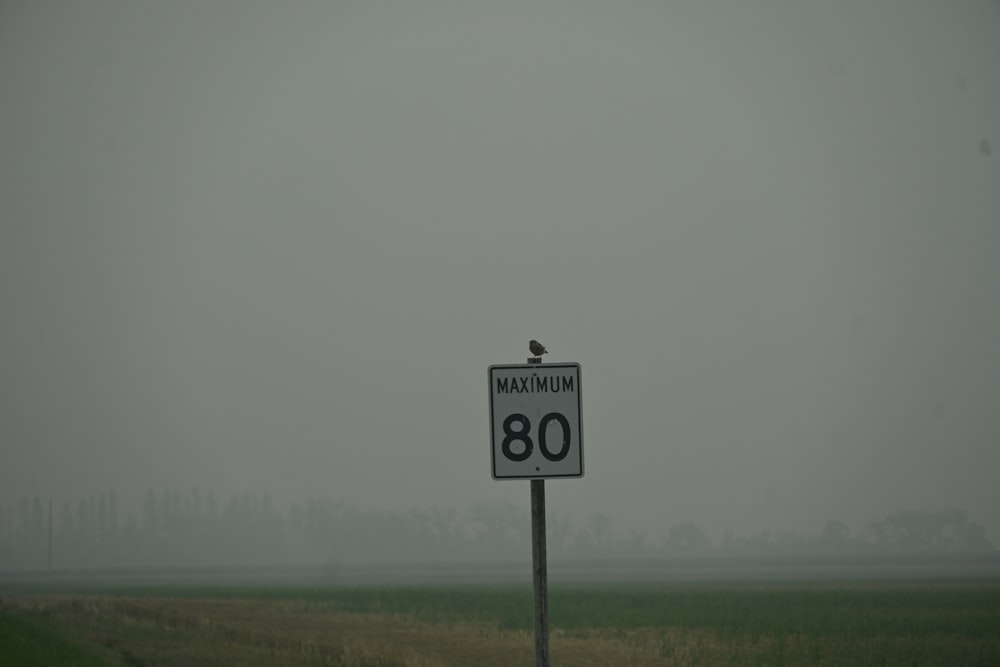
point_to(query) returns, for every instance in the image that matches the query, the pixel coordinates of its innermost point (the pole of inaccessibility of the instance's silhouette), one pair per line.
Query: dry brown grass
(221, 632)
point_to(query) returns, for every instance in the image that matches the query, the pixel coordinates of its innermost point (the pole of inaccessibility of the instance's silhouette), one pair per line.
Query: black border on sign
(579, 416)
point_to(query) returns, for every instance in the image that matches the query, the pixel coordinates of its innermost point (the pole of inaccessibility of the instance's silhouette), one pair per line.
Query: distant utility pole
(50, 534)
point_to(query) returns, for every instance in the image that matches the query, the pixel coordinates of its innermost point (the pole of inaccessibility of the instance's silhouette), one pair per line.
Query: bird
(536, 348)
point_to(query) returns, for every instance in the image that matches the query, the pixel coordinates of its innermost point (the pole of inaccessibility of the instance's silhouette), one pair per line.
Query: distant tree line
(193, 530)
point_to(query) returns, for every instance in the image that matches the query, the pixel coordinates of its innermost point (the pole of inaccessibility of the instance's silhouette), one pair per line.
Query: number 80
(510, 435)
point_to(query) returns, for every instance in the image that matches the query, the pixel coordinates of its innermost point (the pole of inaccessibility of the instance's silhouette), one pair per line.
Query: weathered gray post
(539, 569)
(539, 566)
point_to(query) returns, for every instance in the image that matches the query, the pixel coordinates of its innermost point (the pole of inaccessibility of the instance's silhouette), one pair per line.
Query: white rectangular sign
(535, 421)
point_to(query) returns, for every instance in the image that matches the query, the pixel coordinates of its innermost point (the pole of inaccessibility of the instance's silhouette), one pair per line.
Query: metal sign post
(536, 434)
(539, 573)
(539, 566)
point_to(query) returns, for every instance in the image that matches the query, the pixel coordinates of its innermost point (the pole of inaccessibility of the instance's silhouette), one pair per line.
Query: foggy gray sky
(254, 246)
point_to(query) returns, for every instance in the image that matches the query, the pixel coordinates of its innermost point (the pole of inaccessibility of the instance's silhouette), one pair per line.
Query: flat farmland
(946, 622)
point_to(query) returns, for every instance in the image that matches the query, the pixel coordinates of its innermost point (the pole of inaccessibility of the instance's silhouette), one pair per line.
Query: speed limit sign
(535, 422)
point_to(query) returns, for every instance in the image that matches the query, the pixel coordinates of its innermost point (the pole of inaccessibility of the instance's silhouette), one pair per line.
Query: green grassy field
(33, 641)
(899, 623)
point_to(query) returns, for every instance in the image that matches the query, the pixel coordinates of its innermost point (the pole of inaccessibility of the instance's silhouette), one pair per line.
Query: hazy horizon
(254, 248)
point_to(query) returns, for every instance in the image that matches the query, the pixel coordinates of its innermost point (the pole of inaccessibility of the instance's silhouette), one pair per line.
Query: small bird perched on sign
(536, 348)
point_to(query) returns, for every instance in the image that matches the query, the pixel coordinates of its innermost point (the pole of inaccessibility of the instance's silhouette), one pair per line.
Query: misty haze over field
(272, 248)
